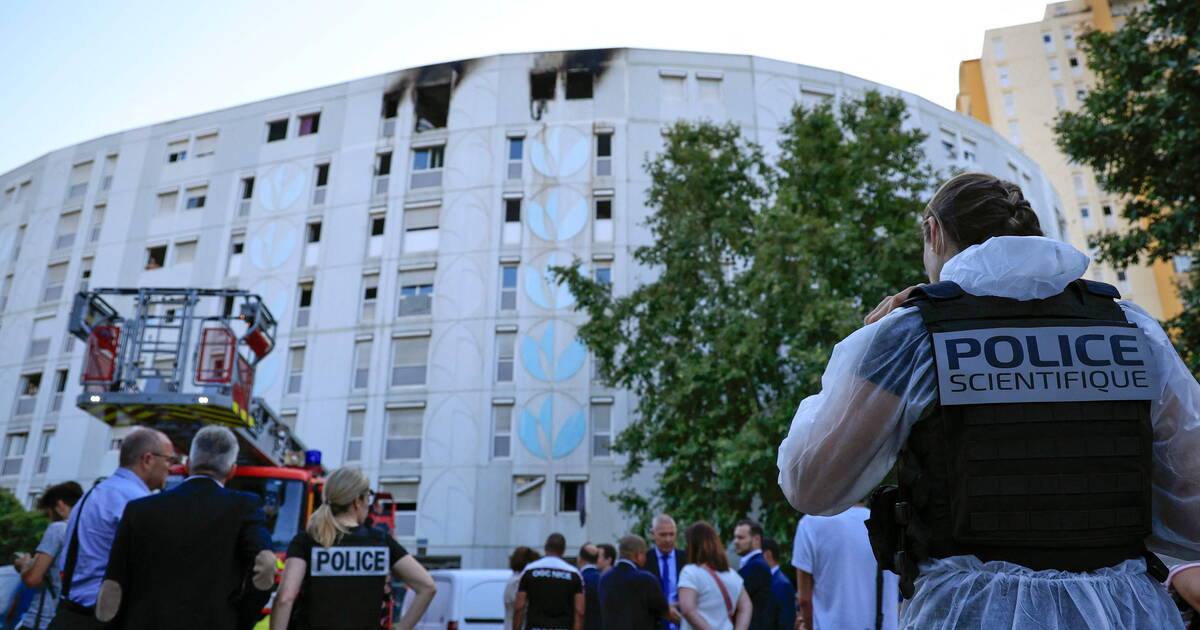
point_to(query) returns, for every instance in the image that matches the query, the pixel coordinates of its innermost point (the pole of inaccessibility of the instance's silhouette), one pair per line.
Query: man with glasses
(145, 461)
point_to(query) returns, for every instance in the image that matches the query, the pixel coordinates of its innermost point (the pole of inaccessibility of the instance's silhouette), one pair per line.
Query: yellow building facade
(1027, 74)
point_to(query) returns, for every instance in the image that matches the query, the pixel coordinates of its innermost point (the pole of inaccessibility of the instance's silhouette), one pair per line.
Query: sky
(75, 70)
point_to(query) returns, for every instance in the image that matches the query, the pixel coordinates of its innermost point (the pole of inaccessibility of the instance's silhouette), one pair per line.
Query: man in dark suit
(588, 556)
(664, 554)
(783, 592)
(756, 575)
(631, 599)
(188, 558)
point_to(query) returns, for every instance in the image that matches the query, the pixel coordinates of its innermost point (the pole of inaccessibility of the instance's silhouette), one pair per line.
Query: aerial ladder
(181, 359)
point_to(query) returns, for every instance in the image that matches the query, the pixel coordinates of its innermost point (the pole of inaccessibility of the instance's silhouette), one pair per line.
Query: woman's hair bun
(973, 207)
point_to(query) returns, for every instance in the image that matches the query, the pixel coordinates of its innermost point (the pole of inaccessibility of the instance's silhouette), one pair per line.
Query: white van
(467, 599)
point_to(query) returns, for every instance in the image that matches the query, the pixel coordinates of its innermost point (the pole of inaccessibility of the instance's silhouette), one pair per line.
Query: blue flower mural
(555, 221)
(282, 187)
(271, 246)
(560, 156)
(540, 437)
(543, 290)
(545, 362)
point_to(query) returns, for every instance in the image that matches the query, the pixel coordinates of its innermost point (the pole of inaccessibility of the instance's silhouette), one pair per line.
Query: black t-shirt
(343, 585)
(550, 595)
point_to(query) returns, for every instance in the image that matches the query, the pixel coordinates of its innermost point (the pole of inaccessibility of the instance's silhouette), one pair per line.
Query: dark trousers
(74, 617)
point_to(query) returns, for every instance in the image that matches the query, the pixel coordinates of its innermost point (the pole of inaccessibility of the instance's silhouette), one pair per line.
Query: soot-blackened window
(541, 85)
(391, 104)
(433, 106)
(579, 84)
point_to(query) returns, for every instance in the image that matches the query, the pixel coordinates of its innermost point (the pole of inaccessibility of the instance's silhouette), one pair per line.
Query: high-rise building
(400, 228)
(1026, 75)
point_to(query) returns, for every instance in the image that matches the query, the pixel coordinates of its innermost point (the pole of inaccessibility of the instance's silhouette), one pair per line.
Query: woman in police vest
(337, 570)
(1044, 432)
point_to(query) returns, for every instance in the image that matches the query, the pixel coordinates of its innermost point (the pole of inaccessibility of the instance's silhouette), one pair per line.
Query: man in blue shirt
(783, 592)
(145, 461)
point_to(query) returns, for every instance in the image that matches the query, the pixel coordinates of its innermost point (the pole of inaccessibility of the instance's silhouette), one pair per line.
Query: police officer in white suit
(336, 571)
(1045, 433)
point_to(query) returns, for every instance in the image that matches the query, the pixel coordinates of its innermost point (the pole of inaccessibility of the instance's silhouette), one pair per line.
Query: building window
(505, 345)
(295, 369)
(542, 85)
(1047, 42)
(354, 435)
(27, 393)
(508, 287)
(156, 257)
(1080, 94)
(375, 235)
(510, 232)
(579, 84)
(1182, 264)
(998, 49)
(601, 430)
(110, 167)
(421, 229)
(78, 182)
(603, 228)
(85, 275)
(97, 222)
(416, 293)
(383, 168)
(404, 427)
(433, 106)
(516, 156)
(1077, 181)
(277, 129)
(312, 243)
(427, 166)
(236, 245)
(1110, 220)
(68, 225)
(1010, 104)
(409, 359)
(304, 305)
(196, 197)
(362, 364)
(185, 252)
(502, 430)
(1086, 216)
(206, 145)
(14, 453)
(309, 124)
(673, 87)
(1014, 132)
(1068, 39)
(321, 177)
(43, 463)
(370, 296)
(1076, 67)
(404, 498)
(167, 201)
(949, 145)
(571, 496)
(391, 105)
(527, 493)
(603, 154)
(177, 151)
(1060, 97)
(1123, 281)
(247, 195)
(1055, 71)
(1003, 77)
(60, 387)
(603, 274)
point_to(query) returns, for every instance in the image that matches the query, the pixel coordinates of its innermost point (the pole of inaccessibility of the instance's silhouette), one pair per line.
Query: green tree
(20, 529)
(759, 268)
(1139, 129)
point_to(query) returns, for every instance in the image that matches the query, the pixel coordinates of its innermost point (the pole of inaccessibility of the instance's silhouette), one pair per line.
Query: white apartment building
(400, 227)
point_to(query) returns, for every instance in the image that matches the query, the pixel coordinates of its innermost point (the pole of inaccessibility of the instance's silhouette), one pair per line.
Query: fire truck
(183, 359)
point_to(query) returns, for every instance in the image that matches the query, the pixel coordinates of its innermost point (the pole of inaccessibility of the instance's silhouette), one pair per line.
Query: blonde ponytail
(342, 487)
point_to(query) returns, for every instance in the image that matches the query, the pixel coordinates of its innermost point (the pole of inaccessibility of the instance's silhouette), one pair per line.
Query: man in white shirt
(838, 584)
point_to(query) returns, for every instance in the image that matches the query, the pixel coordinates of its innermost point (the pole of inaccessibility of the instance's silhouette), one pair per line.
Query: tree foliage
(1139, 129)
(758, 267)
(20, 529)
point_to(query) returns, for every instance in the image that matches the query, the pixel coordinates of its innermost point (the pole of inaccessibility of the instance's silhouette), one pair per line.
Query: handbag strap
(73, 548)
(724, 592)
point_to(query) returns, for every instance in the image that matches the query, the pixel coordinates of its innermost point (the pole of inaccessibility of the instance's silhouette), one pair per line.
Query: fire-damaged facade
(400, 228)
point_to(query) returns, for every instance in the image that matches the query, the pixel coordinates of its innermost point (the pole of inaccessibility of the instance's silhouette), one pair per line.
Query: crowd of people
(698, 587)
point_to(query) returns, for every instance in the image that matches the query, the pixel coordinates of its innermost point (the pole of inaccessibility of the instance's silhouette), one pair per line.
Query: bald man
(664, 561)
(145, 461)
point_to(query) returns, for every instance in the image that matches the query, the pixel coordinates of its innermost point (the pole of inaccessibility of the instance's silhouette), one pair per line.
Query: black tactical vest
(344, 584)
(1037, 450)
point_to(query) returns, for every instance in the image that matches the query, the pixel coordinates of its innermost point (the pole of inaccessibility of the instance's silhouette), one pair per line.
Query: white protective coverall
(844, 440)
